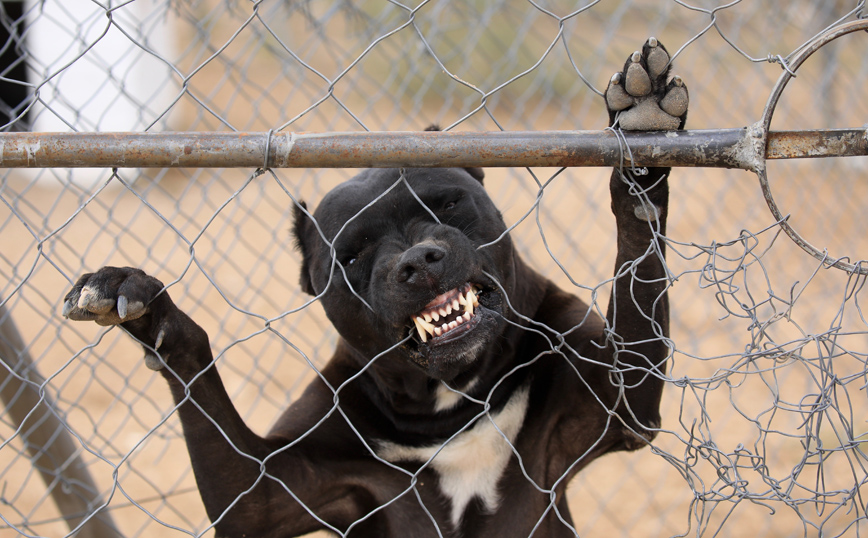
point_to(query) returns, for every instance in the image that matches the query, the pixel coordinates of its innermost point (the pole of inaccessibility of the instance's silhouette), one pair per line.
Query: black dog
(470, 388)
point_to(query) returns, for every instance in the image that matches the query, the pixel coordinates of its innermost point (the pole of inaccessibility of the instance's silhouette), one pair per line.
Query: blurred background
(765, 412)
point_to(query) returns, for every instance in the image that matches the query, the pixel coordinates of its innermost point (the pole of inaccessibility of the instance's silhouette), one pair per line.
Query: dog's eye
(348, 261)
(449, 205)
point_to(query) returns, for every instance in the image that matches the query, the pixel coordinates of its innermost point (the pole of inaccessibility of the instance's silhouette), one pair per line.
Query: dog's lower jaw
(447, 369)
(446, 365)
(442, 370)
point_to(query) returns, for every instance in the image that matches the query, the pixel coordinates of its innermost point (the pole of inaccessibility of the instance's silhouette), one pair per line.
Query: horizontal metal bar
(719, 148)
(829, 143)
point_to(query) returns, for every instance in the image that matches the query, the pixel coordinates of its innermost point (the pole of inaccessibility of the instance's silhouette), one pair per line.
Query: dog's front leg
(226, 455)
(641, 97)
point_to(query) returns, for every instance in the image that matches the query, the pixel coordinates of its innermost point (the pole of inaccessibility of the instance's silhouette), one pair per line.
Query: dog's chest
(471, 463)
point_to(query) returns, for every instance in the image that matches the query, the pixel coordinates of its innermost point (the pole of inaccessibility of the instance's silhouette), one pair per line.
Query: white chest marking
(446, 399)
(471, 464)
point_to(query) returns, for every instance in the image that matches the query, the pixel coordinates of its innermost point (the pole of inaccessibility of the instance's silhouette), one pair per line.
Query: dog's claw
(83, 298)
(122, 306)
(160, 336)
(152, 361)
(72, 312)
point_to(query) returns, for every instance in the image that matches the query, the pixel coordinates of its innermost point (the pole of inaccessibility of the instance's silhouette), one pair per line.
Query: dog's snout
(421, 263)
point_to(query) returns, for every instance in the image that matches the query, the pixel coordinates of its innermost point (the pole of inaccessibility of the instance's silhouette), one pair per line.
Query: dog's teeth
(466, 298)
(423, 334)
(424, 324)
(470, 302)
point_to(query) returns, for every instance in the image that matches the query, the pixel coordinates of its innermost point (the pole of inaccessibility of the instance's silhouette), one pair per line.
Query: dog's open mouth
(448, 314)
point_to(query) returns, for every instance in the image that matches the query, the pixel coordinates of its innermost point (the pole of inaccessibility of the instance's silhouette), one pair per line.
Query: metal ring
(762, 138)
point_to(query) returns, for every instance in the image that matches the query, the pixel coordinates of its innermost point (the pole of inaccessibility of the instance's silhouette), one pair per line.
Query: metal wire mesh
(764, 413)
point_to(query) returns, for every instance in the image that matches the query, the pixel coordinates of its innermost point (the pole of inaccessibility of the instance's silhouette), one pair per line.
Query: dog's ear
(301, 227)
(476, 173)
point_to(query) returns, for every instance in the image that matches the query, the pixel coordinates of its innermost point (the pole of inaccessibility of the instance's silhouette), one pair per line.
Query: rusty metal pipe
(829, 143)
(717, 148)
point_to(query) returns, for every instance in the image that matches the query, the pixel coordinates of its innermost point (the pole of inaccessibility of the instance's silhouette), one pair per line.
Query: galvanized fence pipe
(717, 148)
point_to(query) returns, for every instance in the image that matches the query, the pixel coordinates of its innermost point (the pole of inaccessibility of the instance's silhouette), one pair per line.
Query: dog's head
(418, 261)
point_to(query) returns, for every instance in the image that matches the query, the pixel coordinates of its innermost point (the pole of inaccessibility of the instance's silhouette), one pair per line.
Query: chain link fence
(764, 412)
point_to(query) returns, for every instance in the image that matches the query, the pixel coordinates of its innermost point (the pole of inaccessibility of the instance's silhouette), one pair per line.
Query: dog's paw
(111, 296)
(642, 97)
(121, 295)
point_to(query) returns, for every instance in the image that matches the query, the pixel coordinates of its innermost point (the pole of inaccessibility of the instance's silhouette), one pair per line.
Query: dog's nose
(421, 263)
